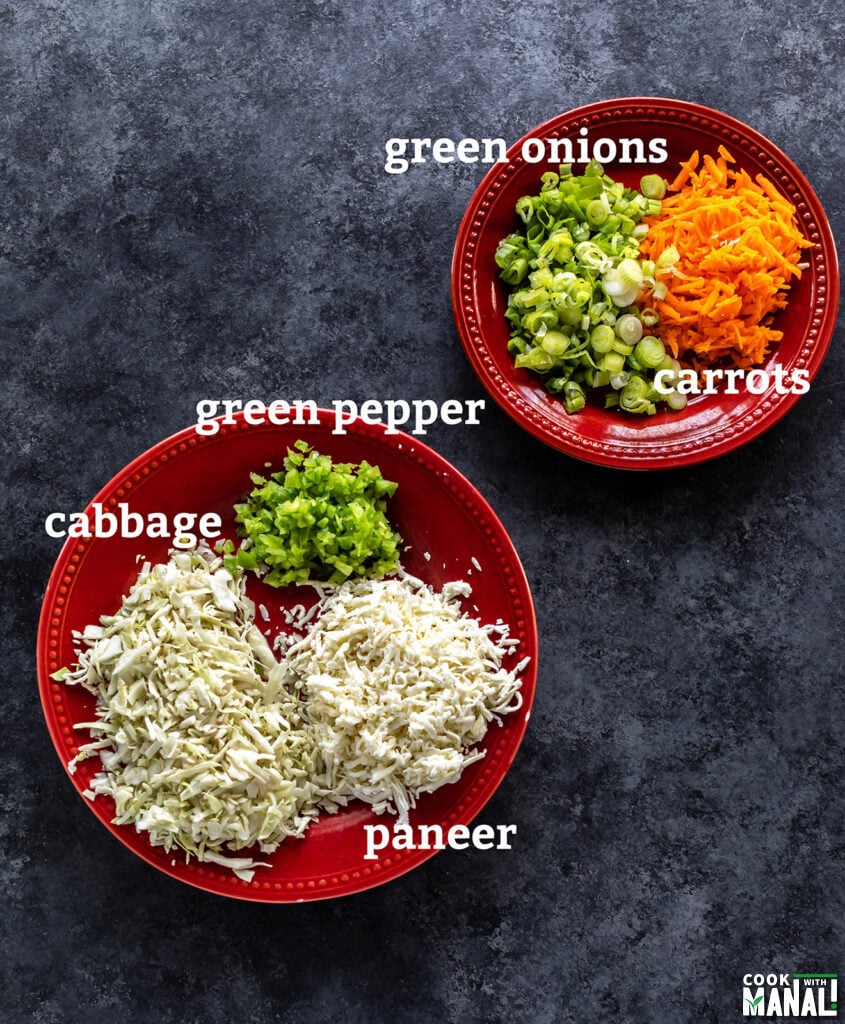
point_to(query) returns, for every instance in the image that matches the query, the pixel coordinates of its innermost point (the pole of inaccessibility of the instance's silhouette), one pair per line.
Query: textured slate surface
(193, 204)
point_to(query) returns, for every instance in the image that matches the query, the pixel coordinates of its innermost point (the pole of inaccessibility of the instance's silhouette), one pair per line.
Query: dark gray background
(193, 204)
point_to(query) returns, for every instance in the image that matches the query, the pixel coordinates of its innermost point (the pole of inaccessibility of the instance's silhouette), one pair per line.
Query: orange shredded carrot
(739, 248)
(685, 171)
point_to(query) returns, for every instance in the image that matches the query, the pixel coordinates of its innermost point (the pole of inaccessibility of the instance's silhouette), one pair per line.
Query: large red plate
(439, 514)
(710, 425)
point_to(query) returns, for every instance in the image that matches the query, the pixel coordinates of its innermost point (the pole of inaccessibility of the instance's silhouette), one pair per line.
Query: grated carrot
(740, 249)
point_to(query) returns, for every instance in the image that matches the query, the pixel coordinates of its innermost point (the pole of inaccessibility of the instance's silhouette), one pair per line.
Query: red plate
(710, 425)
(437, 511)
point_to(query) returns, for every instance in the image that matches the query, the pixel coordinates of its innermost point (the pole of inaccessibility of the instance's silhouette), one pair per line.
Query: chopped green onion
(515, 272)
(596, 213)
(574, 397)
(668, 258)
(602, 338)
(653, 186)
(540, 318)
(629, 328)
(628, 297)
(536, 359)
(634, 396)
(525, 208)
(650, 352)
(555, 343)
(613, 362)
(613, 283)
(630, 273)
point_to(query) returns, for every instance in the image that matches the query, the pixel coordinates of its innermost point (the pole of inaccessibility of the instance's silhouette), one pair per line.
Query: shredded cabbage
(201, 745)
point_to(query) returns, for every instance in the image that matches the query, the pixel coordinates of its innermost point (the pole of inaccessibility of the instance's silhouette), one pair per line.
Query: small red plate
(439, 514)
(710, 425)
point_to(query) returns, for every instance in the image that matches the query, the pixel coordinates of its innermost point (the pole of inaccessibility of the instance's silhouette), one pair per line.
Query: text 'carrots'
(739, 248)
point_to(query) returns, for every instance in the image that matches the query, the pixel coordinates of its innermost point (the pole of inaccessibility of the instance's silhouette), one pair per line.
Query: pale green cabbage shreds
(201, 746)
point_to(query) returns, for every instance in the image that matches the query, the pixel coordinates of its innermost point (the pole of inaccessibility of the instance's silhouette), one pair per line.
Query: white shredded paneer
(400, 686)
(201, 746)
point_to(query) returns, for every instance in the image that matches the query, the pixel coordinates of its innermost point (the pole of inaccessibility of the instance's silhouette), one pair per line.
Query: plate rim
(69, 558)
(507, 394)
